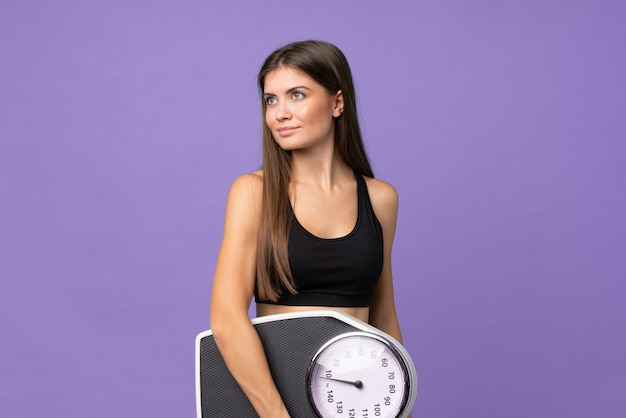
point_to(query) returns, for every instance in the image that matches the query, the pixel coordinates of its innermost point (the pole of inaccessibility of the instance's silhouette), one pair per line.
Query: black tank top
(336, 272)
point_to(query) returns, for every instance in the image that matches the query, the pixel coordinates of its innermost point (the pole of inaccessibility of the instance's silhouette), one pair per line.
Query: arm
(233, 288)
(382, 307)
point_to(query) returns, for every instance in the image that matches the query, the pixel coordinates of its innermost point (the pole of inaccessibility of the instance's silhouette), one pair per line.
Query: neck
(321, 168)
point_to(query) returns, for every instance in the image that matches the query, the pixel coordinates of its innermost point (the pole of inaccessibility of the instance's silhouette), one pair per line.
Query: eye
(269, 100)
(297, 95)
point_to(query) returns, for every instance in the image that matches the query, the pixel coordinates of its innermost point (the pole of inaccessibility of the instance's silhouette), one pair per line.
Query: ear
(338, 104)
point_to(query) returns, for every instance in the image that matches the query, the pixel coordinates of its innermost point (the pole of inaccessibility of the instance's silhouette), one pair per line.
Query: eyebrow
(288, 91)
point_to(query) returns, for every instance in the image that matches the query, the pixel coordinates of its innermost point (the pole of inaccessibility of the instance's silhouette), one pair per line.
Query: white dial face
(358, 375)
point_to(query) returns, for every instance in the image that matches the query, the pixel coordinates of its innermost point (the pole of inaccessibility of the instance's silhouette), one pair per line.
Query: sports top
(335, 272)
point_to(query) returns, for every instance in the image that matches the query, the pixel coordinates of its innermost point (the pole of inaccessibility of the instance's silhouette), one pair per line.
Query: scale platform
(290, 342)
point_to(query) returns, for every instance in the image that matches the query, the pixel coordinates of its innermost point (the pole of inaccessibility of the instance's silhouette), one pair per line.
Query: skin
(301, 115)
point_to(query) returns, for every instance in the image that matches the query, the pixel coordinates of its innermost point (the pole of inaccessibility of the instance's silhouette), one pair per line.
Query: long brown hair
(328, 66)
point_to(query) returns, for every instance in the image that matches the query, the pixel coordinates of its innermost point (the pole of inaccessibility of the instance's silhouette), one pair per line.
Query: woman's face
(299, 111)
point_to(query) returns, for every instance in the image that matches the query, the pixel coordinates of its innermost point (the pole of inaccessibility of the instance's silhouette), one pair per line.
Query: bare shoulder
(245, 196)
(248, 185)
(383, 196)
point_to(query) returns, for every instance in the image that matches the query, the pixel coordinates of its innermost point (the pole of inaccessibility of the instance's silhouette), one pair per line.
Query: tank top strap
(366, 211)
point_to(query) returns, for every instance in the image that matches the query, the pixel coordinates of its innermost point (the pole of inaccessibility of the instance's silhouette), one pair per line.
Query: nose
(282, 111)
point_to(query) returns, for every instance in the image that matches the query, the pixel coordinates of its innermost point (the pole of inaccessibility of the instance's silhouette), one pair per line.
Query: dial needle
(357, 383)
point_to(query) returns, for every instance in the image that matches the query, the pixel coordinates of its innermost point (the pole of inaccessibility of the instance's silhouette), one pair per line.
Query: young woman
(312, 229)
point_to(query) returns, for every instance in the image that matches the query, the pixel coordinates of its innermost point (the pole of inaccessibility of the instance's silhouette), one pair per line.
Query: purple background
(502, 125)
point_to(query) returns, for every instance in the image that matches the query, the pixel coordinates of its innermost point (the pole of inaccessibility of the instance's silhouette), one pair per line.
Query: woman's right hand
(233, 289)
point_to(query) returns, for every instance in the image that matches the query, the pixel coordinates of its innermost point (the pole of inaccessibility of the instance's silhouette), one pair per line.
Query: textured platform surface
(289, 345)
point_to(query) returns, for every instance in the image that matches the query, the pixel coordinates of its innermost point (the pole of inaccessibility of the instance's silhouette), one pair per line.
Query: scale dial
(359, 375)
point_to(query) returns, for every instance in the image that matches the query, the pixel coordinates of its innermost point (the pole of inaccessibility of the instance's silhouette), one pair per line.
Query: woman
(312, 229)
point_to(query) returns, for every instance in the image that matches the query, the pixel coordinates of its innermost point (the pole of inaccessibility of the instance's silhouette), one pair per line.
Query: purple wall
(502, 125)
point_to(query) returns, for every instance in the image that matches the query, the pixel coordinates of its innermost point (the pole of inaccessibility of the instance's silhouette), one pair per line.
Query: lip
(286, 130)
